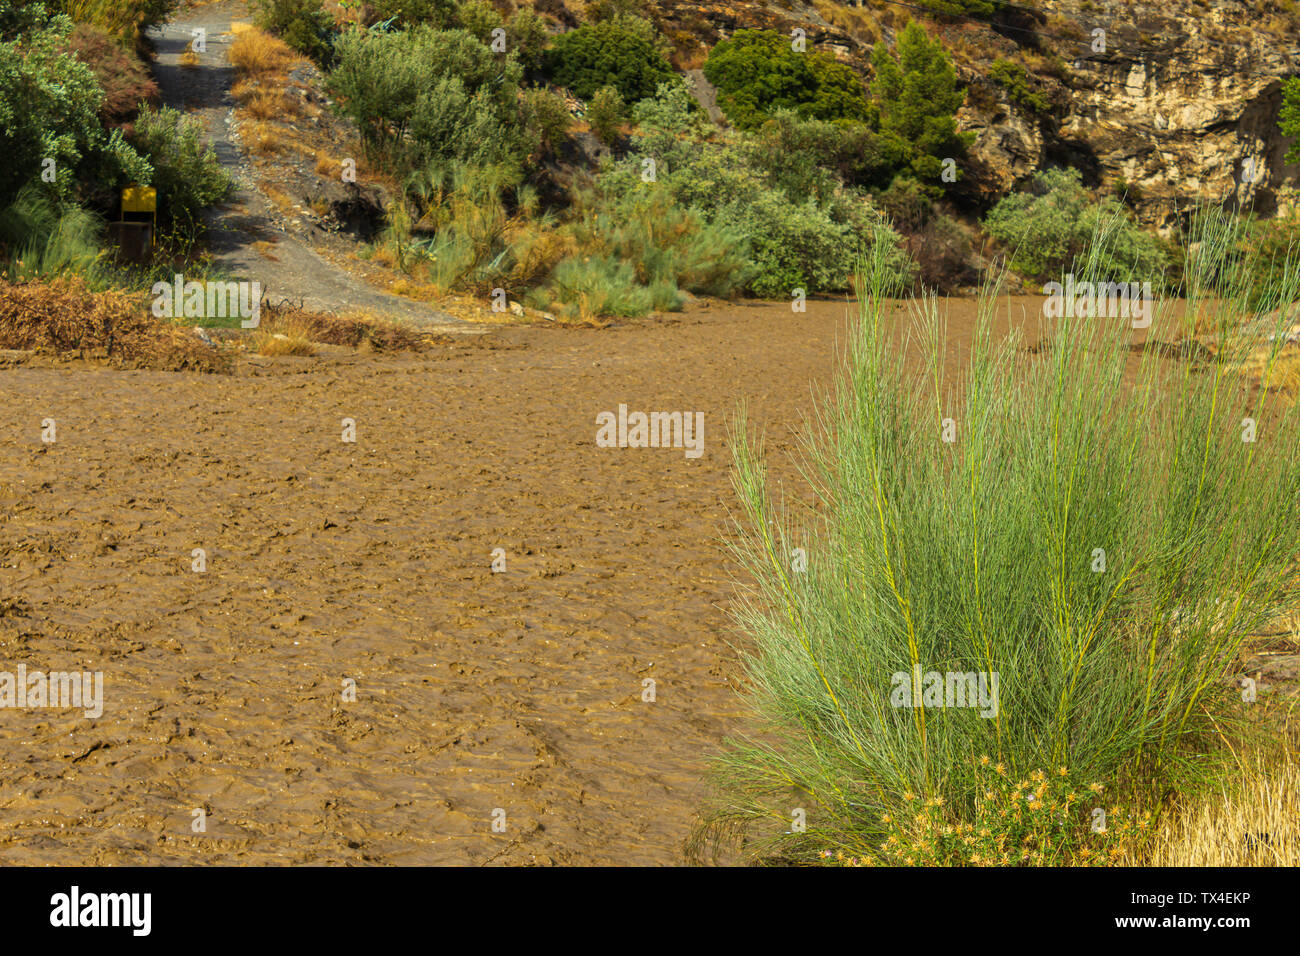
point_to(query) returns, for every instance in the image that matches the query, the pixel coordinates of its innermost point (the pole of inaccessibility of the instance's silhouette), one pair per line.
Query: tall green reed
(1099, 534)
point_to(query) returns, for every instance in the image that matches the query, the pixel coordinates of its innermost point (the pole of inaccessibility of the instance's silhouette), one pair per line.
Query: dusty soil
(371, 561)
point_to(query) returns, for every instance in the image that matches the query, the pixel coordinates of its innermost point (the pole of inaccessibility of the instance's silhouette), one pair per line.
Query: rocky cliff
(1175, 102)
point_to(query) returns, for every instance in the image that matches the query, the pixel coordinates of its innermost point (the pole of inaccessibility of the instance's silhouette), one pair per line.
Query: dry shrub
(63, 317)
(347, 330)
(122, 74)
(257, 53)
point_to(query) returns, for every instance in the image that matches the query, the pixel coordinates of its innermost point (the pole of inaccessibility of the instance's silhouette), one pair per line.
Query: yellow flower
(984, 760)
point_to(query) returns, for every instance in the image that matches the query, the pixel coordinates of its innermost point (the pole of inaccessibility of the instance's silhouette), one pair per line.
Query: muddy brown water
(329, 561)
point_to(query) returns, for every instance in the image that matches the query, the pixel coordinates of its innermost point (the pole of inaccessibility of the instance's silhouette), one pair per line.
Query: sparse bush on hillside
(610, 53)
(1013, 78)
(757, 72)
(303, 24)
(1051, 224)
(966, 8)
(1289, 117)
(547, 118)
(187, 173)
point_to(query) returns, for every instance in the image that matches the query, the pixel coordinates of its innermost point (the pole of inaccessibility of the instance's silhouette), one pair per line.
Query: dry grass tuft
(256, 53)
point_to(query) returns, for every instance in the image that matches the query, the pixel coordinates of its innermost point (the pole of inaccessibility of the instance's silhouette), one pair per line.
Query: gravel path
(297, 273)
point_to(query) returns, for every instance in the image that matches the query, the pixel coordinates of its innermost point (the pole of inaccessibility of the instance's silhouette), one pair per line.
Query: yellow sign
(139, 199)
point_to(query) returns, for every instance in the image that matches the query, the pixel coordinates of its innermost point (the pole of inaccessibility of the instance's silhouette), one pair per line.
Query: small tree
(917, 94)
(606, 113)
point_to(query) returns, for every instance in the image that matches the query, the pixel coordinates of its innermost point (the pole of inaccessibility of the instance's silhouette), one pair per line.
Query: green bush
(610, 53)
(665, 244)
(440, 14)
(528, 39)
(455, 97)
(1289, 117)
(1096, 534)
(49, 110)
(917, 96)
(1055, 222)
(303, 24)
(758, 72)
(548, 119)
(479, 18)
(1013, 78)
(595, 286)
(795, 240)
(606, 113)
(808, 157)
(187, 174)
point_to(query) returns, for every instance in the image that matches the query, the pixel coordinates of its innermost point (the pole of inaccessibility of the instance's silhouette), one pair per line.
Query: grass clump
(1100, 530)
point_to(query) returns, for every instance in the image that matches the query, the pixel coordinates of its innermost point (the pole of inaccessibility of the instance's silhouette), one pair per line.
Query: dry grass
(352, 331)
(267, 104)
(291, 335)
(255, 53)
(328, 166)
(189, 59)
(265, 140)
(1253, 820)
(64, 317)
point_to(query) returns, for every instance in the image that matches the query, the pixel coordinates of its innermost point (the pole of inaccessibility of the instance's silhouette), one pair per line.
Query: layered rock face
(1177, 100)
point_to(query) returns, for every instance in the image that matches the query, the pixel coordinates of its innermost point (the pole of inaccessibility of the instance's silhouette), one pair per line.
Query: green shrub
(1013, 78)
(548, 119)
(593, 287)
(457, 98)
(795, 241)
(664, 243)
(606, 113)
(1289, 117)
(758, 72)
(528, 39)
(917, 96)
(41, 237)
(479, 18)
(1054, 222)
(303, 24)
(49, 110)
(808, 157)
(187, 173)
(610, 53)
(1097, 534)
(440, 14)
